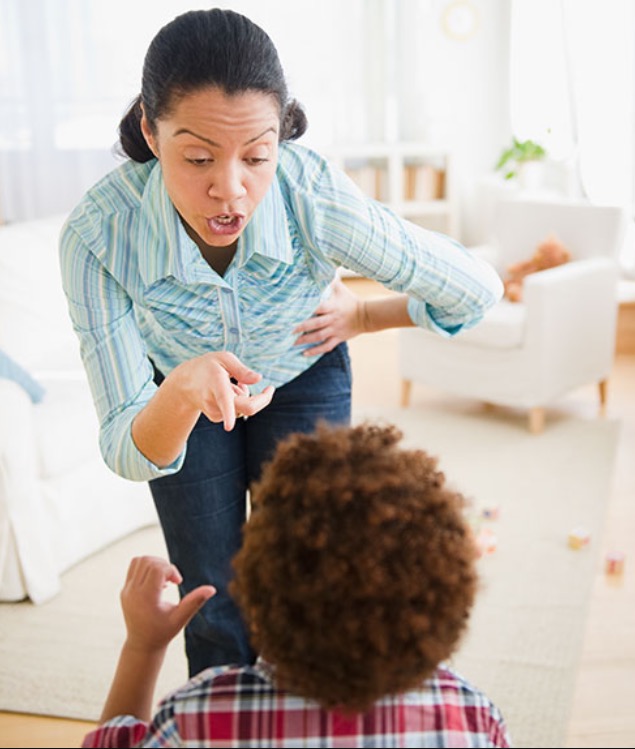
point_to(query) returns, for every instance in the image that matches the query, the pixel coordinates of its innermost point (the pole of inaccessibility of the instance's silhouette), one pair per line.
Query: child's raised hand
(151, 622)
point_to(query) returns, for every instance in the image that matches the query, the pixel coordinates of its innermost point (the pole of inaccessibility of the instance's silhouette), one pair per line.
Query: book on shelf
(371, 179)
(424, 182)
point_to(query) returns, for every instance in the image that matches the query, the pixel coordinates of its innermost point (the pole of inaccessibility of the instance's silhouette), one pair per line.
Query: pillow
(11, 370)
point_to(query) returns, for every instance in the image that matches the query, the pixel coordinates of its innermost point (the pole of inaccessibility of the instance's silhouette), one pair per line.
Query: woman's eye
(256, 161)
(199, 162)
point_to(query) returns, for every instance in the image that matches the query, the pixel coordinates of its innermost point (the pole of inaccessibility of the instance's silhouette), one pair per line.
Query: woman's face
(218, 155)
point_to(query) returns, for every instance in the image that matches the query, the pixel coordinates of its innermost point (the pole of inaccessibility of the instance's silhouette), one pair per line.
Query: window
(573, 90)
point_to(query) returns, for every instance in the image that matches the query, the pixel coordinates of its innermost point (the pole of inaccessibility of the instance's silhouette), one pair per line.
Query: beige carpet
(526, 631)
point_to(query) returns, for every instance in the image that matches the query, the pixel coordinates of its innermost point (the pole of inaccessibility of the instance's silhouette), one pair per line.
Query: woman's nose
(227, 184)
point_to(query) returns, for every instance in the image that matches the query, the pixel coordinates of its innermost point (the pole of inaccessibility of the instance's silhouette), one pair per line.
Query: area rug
(527, 493)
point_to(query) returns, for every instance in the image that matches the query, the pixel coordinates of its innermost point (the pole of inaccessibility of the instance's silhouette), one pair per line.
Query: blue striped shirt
(138, 286)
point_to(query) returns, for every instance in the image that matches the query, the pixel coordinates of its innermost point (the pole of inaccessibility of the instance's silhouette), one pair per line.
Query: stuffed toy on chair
(549, 253)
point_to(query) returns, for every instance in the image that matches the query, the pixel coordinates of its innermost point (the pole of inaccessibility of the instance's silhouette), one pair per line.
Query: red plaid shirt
(241, 707)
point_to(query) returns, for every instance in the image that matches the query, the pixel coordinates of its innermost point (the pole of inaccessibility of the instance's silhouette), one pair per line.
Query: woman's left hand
(336, 319)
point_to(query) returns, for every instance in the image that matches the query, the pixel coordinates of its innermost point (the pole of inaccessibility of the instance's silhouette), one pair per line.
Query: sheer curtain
(572, 81)
(69, 69)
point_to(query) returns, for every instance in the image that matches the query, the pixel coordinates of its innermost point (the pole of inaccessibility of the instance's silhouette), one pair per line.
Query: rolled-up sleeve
(449, 289)
(453, 289)
(115, 359)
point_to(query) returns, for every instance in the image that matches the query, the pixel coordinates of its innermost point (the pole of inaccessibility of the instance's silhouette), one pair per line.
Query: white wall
(446, 91)
(464, 103)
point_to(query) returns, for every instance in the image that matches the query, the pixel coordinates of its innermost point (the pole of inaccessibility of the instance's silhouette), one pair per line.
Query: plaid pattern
(240, 707)
(138, 287)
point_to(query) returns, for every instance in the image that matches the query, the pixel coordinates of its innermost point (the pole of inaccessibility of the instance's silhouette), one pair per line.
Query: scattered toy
(578, 538)
(486, 541)
(614, 563)
(490, 513)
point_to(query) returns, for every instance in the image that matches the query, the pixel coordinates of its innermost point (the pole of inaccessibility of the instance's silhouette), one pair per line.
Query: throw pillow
(11, 370)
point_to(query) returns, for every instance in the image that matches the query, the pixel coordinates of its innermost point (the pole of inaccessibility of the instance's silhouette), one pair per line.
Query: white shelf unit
(414, 179)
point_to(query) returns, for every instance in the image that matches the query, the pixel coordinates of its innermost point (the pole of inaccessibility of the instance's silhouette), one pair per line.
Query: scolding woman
(201, 280)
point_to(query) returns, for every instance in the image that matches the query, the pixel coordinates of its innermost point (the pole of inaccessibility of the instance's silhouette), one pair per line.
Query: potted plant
(513, 160)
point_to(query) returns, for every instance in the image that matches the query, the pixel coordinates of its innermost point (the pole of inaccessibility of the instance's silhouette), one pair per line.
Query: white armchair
(560, 337)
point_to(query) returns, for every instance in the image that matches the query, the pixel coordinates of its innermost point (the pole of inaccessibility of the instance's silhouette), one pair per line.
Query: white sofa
(59, 502)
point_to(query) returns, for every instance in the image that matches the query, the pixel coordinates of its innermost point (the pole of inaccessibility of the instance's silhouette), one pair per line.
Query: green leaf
(518, 153)
(506, 156)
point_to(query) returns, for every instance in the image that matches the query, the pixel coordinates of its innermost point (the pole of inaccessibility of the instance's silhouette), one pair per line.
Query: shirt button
(227, 291)
(234, 331)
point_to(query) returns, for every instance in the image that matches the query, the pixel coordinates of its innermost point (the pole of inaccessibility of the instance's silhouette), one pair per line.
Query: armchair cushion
(503, 326)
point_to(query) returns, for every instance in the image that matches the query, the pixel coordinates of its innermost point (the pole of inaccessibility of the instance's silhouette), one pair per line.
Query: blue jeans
(202, 508)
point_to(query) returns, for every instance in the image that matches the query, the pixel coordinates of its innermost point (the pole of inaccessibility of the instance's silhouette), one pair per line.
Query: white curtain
(572, 89)
(69, 69)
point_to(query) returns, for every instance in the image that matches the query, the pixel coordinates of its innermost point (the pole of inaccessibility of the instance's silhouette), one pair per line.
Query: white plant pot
(531, 175)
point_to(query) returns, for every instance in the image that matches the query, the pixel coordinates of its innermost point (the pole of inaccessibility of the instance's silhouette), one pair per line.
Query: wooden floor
(603, 713)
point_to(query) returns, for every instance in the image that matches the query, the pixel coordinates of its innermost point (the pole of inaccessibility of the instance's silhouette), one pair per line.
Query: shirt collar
(166, 250)
(265, 668)
(267, 233)
(159, 240)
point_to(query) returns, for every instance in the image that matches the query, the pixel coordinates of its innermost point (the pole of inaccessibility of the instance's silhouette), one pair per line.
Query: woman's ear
(148, 134)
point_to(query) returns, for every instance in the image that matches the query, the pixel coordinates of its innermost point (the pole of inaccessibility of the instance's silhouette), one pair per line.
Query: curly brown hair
(358, 569)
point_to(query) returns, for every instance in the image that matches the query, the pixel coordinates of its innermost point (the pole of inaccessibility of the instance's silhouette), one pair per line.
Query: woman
(198, 277)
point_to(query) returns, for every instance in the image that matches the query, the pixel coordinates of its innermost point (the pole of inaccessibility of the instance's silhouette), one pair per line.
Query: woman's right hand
(217, 384)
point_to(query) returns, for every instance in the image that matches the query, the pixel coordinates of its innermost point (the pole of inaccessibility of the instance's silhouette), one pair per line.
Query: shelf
(379, 150)
(421, 207)
(413, 179)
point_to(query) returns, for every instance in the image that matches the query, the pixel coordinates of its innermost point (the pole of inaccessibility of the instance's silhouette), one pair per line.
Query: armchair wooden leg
(406, 388)
(602, 388)
(536, 420)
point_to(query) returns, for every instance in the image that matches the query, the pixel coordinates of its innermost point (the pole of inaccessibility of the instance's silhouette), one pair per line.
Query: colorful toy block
(614, 563)
(486, 541)
(490, 513)
(578, 538)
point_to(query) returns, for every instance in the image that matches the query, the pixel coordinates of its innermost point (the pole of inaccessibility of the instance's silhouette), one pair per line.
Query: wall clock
(459, 19)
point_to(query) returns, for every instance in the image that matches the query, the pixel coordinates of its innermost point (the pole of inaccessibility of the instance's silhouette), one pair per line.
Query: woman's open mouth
(226, 223)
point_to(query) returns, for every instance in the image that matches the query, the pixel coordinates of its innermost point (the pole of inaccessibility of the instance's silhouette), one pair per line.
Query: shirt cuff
(422, 316)
(124, 457)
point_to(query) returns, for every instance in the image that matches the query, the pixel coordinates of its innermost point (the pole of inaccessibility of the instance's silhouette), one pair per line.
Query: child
(356, 577)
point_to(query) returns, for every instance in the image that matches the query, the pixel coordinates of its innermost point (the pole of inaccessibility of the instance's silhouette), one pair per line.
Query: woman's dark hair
(201, 49)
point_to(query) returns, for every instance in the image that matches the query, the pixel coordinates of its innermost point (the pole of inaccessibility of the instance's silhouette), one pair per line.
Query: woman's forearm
(160, 430)
(385, 312)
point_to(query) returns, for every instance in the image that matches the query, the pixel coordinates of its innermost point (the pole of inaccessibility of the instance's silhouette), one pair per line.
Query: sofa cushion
(34, 319)
(66, 426)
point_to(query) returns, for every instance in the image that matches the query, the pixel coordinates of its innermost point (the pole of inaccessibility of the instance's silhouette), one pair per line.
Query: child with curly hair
(356, 576)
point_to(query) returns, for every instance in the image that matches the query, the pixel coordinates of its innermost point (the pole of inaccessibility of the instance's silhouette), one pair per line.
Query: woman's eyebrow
(186, 131)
